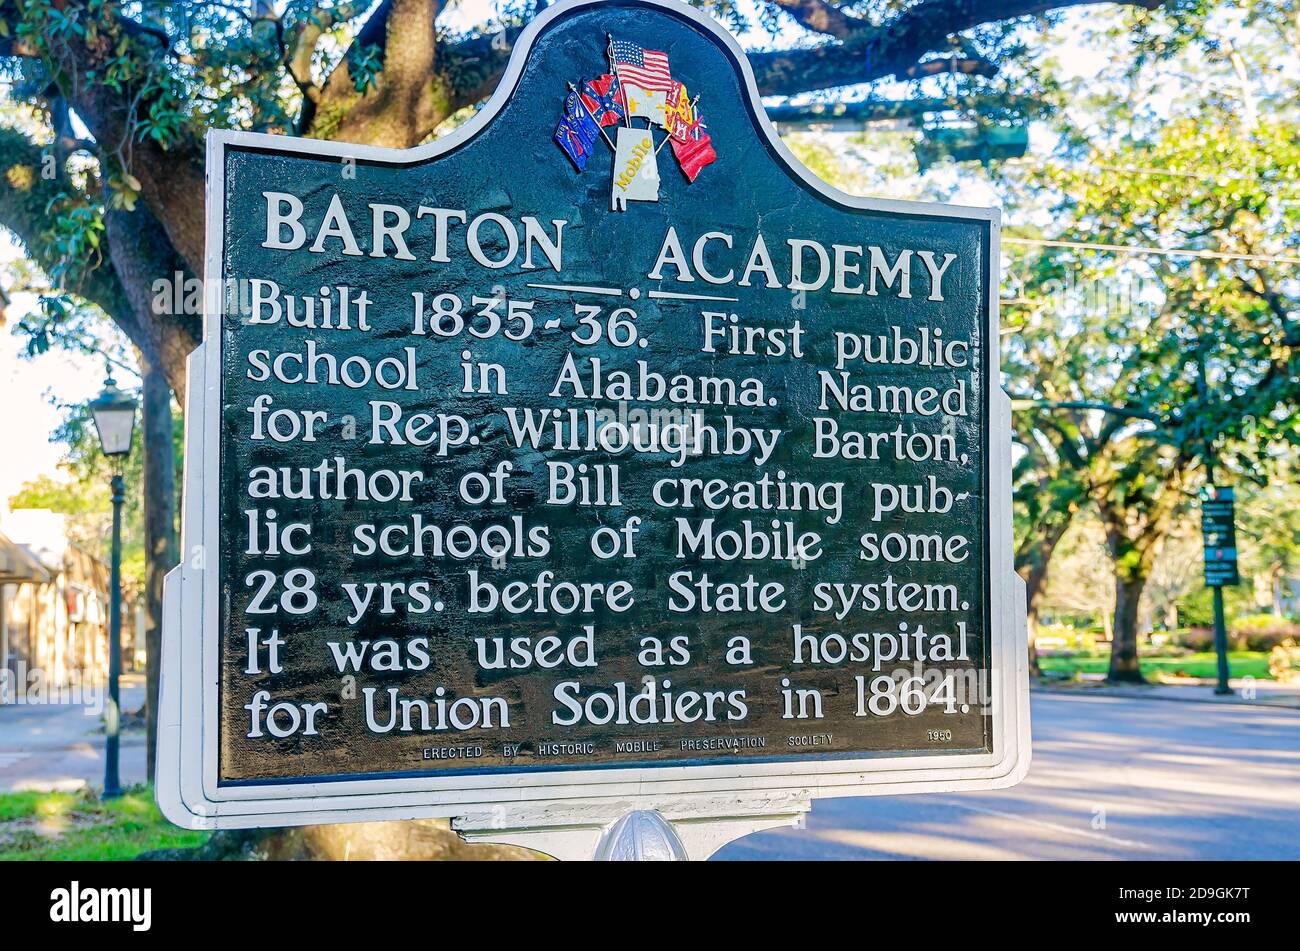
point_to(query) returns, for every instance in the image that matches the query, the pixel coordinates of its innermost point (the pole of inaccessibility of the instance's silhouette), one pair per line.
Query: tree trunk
(142, 258)
(1033, 561)
(1035, 583)
(1031, 625)
(159, 530)
(1124, 666)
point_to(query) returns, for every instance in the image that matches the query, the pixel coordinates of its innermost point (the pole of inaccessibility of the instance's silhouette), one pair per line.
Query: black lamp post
(114, 414)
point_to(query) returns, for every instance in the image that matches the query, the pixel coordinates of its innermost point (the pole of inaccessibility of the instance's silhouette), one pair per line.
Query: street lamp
(114, 414)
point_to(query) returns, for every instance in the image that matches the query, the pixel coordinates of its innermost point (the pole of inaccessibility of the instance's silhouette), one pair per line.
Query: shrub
(1254, 632)
(1284, 662)
(1063, 639)
(1195, 639)
(1197, 608)
(1262, 632)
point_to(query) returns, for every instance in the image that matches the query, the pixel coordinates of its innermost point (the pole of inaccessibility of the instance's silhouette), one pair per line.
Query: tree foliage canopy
(122, 95)
(1167, 292)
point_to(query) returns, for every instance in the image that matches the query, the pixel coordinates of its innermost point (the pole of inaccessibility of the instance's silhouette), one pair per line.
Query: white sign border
(187, 788)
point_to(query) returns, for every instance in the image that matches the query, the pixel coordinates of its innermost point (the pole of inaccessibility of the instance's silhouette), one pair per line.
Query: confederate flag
(603, 98)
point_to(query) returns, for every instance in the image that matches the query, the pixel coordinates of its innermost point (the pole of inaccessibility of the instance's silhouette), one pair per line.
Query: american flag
(645, 68)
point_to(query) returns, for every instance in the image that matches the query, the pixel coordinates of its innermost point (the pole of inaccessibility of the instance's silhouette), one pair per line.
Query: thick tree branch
(299, 49)
(892, 48)
(141, 256)
(949, 65)
(821, 17)
(868, 111)
(408, 96)
(475, 66)
(466, 71)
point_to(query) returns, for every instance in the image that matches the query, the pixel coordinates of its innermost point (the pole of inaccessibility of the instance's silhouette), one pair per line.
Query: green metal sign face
(597, 440)
(1219, 533)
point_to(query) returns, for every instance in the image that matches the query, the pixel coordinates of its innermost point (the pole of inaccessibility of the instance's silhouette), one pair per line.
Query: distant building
(54, 602)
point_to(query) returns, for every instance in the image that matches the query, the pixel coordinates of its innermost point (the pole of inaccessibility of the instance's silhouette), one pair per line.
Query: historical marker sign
(595, 454)
(1219, 535)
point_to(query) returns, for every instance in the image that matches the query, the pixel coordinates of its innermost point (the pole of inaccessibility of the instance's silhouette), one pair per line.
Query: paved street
(1171, 780)
(61, 746)
(1168, 779)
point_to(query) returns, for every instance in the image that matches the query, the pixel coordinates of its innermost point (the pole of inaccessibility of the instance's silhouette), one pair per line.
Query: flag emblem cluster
(638, 86)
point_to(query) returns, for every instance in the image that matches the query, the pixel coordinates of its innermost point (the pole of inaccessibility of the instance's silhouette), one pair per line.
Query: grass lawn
(77, 825)
(1242, 664)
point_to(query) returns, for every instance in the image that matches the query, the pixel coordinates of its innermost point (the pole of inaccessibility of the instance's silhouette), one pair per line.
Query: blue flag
(576, 133)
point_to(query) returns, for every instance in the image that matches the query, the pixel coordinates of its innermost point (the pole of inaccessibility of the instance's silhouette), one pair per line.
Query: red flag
(695, 152)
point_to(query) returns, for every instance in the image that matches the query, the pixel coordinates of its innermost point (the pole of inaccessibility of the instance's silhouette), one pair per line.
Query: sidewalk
(46, 747)
(1245, 691)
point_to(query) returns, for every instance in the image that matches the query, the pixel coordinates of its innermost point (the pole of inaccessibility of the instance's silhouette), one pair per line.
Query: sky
(30, 387)
(27, 388)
